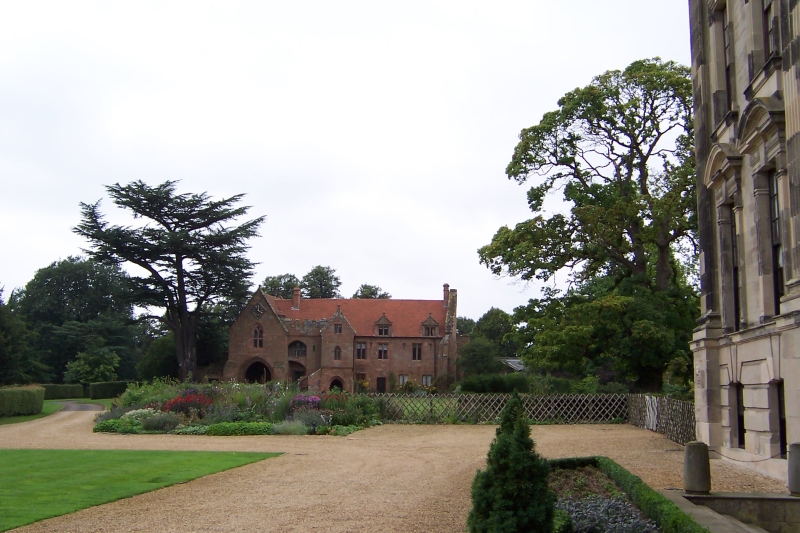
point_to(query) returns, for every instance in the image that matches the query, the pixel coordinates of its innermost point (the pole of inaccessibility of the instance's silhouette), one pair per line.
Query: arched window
(297, 349)
(258, 336)
(337, 354)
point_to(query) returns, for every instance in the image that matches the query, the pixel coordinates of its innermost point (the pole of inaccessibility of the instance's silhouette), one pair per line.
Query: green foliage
(94, 365)
(77, 304)
(161, 422)
(19, 362)
(15, 401)
(280, 286)
(512, 495)
(371, 292)
(496, 326)
(480, 356)
(496, 383)
(225, 429)
(59, 392)
(321, 282)
(159, 361)
(562, 522)
(33, 486)
(623, 331)
(192, 252)
(107, 389)
(291, 427)
(118, 425)
(464, 325)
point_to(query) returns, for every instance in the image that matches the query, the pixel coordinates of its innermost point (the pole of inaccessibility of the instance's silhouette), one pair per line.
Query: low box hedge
(106, 389)
(53, 391)
(227, 429)
(667, 515)
(16, 401)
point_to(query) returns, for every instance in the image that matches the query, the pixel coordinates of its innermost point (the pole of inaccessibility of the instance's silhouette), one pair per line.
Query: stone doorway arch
(257, 372)
(336, 382)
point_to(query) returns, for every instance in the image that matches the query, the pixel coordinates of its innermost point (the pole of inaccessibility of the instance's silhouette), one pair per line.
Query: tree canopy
(620, 151)
(371, 292)
(189, 249)
(280, 286)
(19, 363)
(321, 282)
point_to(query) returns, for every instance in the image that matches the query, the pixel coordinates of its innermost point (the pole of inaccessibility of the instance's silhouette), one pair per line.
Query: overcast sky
(373, 135)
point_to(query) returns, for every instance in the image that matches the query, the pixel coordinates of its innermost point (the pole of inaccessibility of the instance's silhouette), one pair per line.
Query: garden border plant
(667, 515)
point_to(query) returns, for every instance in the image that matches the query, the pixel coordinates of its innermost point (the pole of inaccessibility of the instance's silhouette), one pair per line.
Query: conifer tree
(511, 495)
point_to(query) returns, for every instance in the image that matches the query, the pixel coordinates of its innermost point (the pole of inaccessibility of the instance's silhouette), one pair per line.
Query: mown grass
(39, 484)
(48, 408)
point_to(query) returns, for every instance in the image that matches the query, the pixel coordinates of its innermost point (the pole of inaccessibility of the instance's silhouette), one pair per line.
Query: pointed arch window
(297, 349)
(337, 354)
(258, 336)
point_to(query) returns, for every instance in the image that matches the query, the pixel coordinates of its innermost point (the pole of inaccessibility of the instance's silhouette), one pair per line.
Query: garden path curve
(389, 478)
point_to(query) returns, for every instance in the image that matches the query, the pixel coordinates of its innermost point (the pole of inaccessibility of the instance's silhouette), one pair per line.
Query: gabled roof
(406, 316)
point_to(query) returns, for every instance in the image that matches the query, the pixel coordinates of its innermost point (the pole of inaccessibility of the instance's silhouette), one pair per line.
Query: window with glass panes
(416, 352)
(383, 351)
(777, 245)
(727, 37)
(770, 29)
(361, 350)
(737, 308)
(383, 331)
(258, 336)
(337, 354)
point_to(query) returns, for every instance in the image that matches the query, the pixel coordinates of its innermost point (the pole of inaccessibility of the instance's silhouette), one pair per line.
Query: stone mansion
(325, 343)
(746, 76)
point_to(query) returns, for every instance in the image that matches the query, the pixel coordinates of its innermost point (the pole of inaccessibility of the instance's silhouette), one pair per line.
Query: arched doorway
(296, 371)
(258, 372)
(336, 383)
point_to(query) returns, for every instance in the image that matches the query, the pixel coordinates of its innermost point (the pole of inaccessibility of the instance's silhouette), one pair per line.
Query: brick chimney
(296, 298)
(446, 298)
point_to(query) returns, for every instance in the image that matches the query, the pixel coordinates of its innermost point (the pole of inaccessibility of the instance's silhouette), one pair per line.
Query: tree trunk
(663, 270)
(186, 346)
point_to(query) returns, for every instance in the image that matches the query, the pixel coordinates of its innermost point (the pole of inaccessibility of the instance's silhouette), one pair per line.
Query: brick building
(745, 56)
(326, 343)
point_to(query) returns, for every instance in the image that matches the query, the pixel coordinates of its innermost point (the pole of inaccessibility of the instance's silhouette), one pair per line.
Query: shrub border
(667, 515)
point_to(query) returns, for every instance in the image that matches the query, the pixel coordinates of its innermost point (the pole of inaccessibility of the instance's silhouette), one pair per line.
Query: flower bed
(223, 409)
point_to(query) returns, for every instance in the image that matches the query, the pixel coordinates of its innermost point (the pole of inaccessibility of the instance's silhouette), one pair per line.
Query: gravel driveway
(391, 478)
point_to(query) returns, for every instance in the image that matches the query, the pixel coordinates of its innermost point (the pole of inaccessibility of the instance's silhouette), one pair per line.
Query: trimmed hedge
(16, 401)
(106, 389)
(226, 429)
(667, 515)
(61, 392)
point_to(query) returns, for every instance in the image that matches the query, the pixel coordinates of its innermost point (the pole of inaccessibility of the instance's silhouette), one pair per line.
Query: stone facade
(745, 56)
(324, 343)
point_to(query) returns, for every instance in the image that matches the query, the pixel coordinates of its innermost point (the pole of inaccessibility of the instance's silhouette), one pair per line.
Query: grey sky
(373, 135)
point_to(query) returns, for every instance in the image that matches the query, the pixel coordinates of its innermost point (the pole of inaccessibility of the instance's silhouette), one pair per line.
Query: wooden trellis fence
(673, 418)
(560, 409)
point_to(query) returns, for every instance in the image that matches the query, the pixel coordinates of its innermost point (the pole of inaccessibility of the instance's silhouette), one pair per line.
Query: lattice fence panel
(673, 418)
(562, 409)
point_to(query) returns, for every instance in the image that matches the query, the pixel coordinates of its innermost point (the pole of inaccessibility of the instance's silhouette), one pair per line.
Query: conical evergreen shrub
(511, 495)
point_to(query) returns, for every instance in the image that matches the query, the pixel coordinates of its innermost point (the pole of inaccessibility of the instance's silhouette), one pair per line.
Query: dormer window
(430, 328)
(383, 327)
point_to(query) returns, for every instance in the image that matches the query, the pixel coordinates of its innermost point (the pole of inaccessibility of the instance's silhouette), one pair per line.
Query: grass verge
(48, 408)
(34, 487)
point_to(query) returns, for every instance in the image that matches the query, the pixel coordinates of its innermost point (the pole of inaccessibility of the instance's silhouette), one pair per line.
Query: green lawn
(39, 484)
(47, 409)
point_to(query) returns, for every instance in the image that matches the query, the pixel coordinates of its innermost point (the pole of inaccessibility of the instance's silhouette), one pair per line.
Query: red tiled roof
(406, 316)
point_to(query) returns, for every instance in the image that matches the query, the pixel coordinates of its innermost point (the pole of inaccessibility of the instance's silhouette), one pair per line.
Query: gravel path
(390, 478)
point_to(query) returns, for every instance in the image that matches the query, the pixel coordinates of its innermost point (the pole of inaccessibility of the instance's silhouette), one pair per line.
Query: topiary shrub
(18, 401)
(512, 495)
(107, 389)
(53, 391)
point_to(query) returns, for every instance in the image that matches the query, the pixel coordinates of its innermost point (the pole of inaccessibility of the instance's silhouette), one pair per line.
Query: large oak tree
(189, 249)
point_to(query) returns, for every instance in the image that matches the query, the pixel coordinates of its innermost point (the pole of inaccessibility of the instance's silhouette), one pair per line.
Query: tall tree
(280, 286)
(620, 150)
(321, 282)
(19, 362)
(76, 302)
(496, 325)
(371, 292)
(464, 325)
(189, 248)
